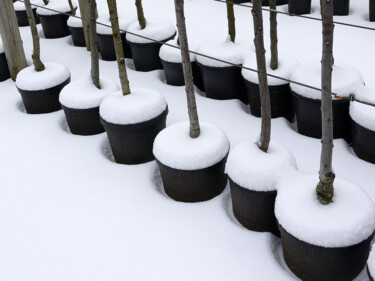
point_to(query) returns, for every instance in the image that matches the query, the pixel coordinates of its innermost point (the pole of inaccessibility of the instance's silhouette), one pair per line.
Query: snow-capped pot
(254, 176)
(76, 31)
(345, 81)
(172, 64)
(341, 7)
(222, 81)
(371, 265)
(363, 128)
(192, 169)
(299, 7)
(132, 122)
(311, 230)
(40, 90)
(54, 24)
(105, 37)
(280, 94)
(19, 8)
(372, 10)
(146, 52)
(4, 70)
(80, 101)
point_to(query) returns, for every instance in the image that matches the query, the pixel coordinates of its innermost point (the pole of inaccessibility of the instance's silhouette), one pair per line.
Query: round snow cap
(156, 30)
(363, 114)
(125, 19)
(61, 6)
(75, 22)
(173, 55)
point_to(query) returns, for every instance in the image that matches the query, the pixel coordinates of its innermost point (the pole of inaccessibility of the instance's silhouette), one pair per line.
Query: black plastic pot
(363, 142)
(107, 47)
(22, 17)
(78, 36)
(146, 55)
(279, 2)
(341, 7)
(132, 144)
(194, 185)
(255, 210)
(309, 119)
(312, 263)
(55, 26)
(281, 100)
(299, 7)
(223, 83)
(372, 10)
(43, 101)
(369, 275)
(4, 70)
(83, 122)
(174, 74)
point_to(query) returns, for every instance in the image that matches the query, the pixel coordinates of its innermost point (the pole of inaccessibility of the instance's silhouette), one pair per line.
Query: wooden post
(11, 37)
(85, 15)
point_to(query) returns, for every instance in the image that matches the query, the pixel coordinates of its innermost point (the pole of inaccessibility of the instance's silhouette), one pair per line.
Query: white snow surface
(224, 50)
(176, 149)
(1, 47)
(349, 220)
(371, 262)
(156, 30)
(345, 80)
(173, 55)
(139, 106)
(75, 22)
(125, 20)
(57, 5)
(251, 168)
(286, 65)
(363, 115)
(83, 94)
(20, 6)
(30, 80)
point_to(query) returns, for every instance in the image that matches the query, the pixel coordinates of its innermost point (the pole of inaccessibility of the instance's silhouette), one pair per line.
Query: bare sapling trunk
(112, 7)
(265, 102)
(45, 2)
(85, 14)
(72, 10)
(140, 14)
(273, 34)
(94, 45)
(231, 21)
(324, 189)
(11, 38)
(186, 65)
(38, 65)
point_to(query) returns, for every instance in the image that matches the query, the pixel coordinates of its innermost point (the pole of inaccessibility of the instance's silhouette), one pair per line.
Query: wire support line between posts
(350, 98)
(299, 16)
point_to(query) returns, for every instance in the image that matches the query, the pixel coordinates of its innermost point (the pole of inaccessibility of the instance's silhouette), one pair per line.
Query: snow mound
(57, 5)
(371, 262)
(349, 220)
(20, 6)
(125, 20)
(176, 149)
(173, 55)
(345, 80)
(30, 80)
(224, 50)
(83, 94)
(251, 168)
(75, 22)
(157, 30)
(363, 115)
(140, 106)
(286, 65)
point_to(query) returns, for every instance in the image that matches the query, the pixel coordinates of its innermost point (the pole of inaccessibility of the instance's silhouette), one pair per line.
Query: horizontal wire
(351, 97)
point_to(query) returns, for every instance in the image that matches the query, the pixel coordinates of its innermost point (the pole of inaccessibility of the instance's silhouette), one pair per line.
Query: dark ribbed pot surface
(83, 122)
(363, 141)
(22, 17)
(107, 47)
(299, 7)
(4, 70)
(55, 26)
(78, 36)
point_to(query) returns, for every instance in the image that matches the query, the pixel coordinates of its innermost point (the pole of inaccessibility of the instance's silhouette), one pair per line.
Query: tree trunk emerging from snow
(112, 7)
(265, 134)
(140, 14)
(45, 2)
(38, 65)
(11, 38)
(231, 21)
(273, 33)
(73, 11)
(186, 65)
(85, 14)
(94, 45)
(324, 189)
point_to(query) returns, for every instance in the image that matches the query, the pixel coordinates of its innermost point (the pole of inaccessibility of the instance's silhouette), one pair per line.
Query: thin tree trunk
(45, 2)
(324, 189)
(140, 14)
(188, 73)
(73, 11)
(265, 102)
(112, 7)
(11, 38)
(273, 33)
(94, 45)
(85, 14)
(231, 21)
(38, 65)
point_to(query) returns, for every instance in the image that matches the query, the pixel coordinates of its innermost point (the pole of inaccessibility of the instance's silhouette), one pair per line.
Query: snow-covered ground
(68, 212)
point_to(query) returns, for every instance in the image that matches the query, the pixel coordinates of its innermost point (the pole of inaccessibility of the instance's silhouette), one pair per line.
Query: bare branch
(273, 34)
(231, 21)
(94, 45)
(140, 14)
